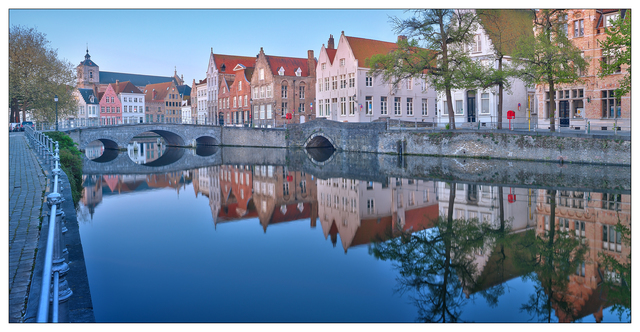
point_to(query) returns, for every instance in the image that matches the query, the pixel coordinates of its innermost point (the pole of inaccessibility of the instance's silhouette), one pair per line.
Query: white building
(201, 116)
(132, 100)
(186, 111)
(347, 92)
(479, 107)
(88, 108)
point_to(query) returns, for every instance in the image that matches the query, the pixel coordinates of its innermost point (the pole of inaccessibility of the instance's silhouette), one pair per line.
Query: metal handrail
(54, 264)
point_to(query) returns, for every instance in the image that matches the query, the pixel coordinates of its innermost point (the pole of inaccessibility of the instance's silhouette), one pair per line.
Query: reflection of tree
(437, 263)
(554, 255)
(618, 276)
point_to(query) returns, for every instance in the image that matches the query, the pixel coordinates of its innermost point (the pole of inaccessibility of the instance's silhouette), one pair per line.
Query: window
(342, 62)
(254, 95)
(484, 103)
(611, 107)
(476, 45)
(611, 238)
(396, 106)
(368, 104)
(327, 107)
(324, 66)
(343, 81)
(281, 71)
(343, 106)
(301, 108)
(565, 24)
(409, 106)
(261, 113)
(610, 18)
(334, 82)
(261, 73)
(262, 91)
(239, 87)
(611, 201)
(235, 104)
(370, 206)
(269, 92)
(459, 110)
(578, 28)
(283, 112)
(319, 84)
(246, 100)
(301, 91)
(383, 105)
(352, 80)
(326, 84)
(352, 105)
(410, 83)
(368, 79)
(425, 108)
(269, 112)
(320, 104)
(580, 228)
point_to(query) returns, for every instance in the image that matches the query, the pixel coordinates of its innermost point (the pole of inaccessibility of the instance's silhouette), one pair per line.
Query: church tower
(88, 73)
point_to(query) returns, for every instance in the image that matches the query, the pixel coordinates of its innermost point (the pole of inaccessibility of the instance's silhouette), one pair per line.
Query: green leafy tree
(548, 57)
(36, 75)
(434, 47)
(617, 46)
(505, 27)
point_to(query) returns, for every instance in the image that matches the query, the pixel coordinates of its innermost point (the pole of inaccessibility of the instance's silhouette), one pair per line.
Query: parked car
(27, 123)
(14, 126)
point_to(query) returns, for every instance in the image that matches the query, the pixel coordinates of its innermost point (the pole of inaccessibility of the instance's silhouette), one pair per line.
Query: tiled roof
(126, 87)
(184, 90)
(162, 91)
(506, 26)
(290, 65)
(107, 77)
(366, 48)
(331, 53)
(230, 61)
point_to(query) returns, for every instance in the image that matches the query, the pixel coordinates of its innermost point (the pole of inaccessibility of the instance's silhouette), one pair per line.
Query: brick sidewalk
(27, 183)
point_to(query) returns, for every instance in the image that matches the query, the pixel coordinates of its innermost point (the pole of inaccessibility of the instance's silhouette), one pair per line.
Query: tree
(435, 47)
(36, 75)
(505, 27)
(548, 57)
(617, 48)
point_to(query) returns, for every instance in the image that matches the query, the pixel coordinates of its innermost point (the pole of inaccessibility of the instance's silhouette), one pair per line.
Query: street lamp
(55, 98)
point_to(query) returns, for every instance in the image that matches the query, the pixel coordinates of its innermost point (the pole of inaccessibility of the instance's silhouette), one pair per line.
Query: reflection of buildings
(92, 194)
(591, 217)
(145, 149)
(94, 150)
(206, 181)
(362, 211)
(493, 264)
(236, 186)
(280, 195)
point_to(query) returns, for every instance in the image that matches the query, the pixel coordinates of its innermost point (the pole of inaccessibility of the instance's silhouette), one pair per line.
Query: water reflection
(452, 244)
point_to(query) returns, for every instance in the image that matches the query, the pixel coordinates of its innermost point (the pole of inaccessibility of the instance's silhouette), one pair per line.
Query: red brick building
(239, 95)
(592, 98)
(162, 103)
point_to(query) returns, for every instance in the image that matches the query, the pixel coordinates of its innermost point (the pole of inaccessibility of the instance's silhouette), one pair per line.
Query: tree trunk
(452, 119)
(500, 95)
(552, 106)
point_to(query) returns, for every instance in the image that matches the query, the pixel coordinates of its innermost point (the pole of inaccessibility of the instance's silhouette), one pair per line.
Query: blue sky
(155, 41)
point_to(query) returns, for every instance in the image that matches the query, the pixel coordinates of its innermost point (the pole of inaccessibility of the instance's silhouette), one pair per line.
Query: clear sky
(155, 41)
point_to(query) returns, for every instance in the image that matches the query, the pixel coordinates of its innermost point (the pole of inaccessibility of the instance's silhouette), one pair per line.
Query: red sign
(511, 114)
(289, 116)
(289, 178)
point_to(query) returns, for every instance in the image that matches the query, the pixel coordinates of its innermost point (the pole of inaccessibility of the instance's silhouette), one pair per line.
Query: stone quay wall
(253, 137)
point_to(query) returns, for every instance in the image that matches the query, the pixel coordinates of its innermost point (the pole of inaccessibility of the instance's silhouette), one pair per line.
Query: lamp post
(55, 98)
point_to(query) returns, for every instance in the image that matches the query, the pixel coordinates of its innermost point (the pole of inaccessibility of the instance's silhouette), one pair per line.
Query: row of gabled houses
(268, 91)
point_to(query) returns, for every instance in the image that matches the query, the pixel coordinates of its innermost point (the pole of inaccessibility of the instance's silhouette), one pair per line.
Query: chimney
(330, 43)
(401, 37)
(117, 86)
(311, 63)
(154, 94)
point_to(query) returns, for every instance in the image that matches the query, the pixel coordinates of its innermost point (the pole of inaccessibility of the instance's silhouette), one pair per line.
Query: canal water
(247, 242)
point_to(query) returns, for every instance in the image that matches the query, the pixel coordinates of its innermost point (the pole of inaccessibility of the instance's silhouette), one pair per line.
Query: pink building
(110, 107)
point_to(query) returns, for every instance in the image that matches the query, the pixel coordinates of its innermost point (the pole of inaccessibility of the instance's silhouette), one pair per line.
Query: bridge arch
(171, 138)
(319, 140)
(207, 140)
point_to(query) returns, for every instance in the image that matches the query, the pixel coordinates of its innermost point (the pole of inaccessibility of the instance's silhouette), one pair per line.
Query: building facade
(110, 107)
(590, 101)
(132, 100)
(162, 103)
(282, 90)
(347, 92)
(88, 108)
(220, 67)
(239, 93)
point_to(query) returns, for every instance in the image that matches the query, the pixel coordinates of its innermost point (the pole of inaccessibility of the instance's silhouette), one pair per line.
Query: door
(471, 106)
(563, 113)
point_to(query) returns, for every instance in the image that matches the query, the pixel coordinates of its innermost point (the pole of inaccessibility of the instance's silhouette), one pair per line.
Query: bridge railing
(55, 289)
(577, 125)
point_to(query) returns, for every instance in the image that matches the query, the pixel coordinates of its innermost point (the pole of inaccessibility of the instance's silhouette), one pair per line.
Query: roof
(107, 77)
(87, 61)
(331, 54)
(161, 88)
(230, 61)
(126, 87)
(506, 26)
(86, 95)
(184, 90)
(290, 65)
(366, 48)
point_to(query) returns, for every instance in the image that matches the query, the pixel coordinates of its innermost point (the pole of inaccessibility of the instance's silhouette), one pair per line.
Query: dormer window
(610, 18)
(281, 71)
(223, 67)
(298, 71)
